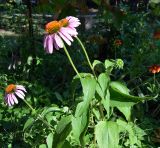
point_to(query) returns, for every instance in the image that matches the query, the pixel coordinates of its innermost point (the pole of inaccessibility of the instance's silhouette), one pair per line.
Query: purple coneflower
(58, 30)
(13, 91)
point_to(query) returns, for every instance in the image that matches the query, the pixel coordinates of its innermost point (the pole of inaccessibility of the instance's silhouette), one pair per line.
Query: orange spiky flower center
(53, 27)
(10, 88)
(64, 22)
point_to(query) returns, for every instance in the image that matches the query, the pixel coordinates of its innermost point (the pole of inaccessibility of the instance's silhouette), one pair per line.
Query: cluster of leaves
(92, 111)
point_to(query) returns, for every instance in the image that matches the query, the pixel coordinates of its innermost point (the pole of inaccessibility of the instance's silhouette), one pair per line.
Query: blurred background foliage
(47, 77)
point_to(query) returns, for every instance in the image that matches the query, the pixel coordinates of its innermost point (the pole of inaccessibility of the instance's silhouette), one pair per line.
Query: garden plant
(80, 73)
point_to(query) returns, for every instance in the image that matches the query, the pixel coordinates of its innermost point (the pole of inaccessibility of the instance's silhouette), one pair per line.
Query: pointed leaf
(89, 87)
(102, 90)
(79, 127)
(120, 96)
(126, 110)
(62, 131)
(49, 140)
(28, 123)
(107, 134)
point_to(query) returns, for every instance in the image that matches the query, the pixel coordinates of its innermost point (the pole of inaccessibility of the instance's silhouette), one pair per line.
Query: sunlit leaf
(107, 134)
(89, 87)
(49, 140)
(79, 126)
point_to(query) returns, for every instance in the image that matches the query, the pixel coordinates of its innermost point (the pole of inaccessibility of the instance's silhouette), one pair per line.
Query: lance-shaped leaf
(119, 96)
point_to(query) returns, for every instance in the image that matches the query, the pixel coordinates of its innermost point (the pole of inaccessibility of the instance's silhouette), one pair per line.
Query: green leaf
(79, 127)
(135, 133)
(50, 109)
(43, 146)
(96, 62)
(29, 60)
(102, 90)
(120, 97)
(103, 83)
(62, 131)
(106, 102)
(107, 134)
(120, 87)
(62, 124)
(98, 2)
(49, 140)
(58, 96)
(66, 145)
(126, 110)
(155, 1)
(109, 65)
(28, 123)
(98, 66)
(89, 87)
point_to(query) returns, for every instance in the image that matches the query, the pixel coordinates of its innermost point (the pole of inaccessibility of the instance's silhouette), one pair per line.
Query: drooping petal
(8, 100)
(14, 98)
(11, 99)
(72, 18)
(65, 38)
(71, 31)
(66, 34)
(45, 42)
(21, 92)
(58, 40)
(21, 88)
(50, 44)
(19, 95)
(55, 44)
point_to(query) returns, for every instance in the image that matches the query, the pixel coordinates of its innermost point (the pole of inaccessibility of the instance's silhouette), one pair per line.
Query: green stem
(40, 117)
(87, 57)
(154, 78)
(33, 110)
(70, 60)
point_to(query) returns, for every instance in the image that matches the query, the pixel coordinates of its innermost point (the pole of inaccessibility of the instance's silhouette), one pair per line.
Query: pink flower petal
(65, 39)
(21, 92)
(45, 41)
(50, 44)
(11, 99)
(21, 88)
(19, 95)
(65, 33)
(58, 40)
(8, 100)
(14, 98)
(55, 45)
(71, 31)
(74, 24)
